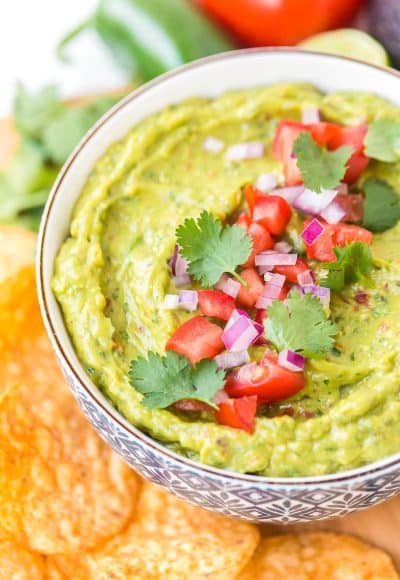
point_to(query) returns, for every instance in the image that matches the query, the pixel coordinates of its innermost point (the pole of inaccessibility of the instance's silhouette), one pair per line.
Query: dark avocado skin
(384, 25)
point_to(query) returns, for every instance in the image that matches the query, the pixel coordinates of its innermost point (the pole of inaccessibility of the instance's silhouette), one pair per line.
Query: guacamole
(111, 276)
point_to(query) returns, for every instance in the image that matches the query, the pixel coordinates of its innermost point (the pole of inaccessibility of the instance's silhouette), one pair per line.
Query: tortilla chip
(61, 488)
(17, 563)
(169, 539)
(18, 247)
(318, 556)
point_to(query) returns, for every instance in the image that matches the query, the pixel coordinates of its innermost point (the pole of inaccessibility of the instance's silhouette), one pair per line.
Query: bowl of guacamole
(220, 277)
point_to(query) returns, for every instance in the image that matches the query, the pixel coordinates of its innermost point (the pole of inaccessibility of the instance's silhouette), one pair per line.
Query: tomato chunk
(197, 338)
(282, 148)
(238, 413)
(251, 194)
(262, 240)
(216, 304)
(248, 295)
(244, 220)
(336, 235)
(346, 234)
(292, 272)
(353, 205)
(269, 381)
(273, 212)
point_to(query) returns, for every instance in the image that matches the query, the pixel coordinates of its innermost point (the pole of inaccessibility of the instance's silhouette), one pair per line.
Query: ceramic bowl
(261, 499)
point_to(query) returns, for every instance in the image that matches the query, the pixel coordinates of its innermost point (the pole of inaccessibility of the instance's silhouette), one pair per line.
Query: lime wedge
(349, 42)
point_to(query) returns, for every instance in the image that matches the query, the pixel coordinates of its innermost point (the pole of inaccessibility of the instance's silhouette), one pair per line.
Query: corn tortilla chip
(169, 539)
(318, 556)
(61, 488)
(17, 563)
(18, 248)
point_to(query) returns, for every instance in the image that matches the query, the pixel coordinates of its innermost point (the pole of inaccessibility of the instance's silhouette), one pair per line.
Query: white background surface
(29, 32)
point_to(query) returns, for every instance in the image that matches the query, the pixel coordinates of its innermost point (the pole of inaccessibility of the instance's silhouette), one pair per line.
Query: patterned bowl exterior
(259, 499)
(250, 498)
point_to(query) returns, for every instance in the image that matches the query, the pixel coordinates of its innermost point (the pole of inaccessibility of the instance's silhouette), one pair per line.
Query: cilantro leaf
(33, 112)
(382, 141)
(381, 206)
(300, 325)
(320, 169)
(212, 250)
(354, 261)
(164, 380)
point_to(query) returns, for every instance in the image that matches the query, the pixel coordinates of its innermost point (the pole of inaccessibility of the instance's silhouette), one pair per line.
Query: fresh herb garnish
(300, 325)
(383, 140)
(164, 380)
(320, 168)
(354, 261)
(381, 206)
(212, 249)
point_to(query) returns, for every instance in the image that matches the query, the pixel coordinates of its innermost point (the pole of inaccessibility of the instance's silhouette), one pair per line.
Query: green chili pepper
(149, 37)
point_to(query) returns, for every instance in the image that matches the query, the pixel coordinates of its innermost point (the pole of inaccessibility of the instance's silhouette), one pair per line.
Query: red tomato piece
(346, 234)
(248, 295)
(291, 272)
(325, 134)
(336, 235)
(216, 304)
(244, 221)
(261, 241)
(355, 166)
(273, 212)
(238, 413)
(353, 205)
(353, 135)
(282, 148)
(251, 194)
(197, 338)
(269, 381)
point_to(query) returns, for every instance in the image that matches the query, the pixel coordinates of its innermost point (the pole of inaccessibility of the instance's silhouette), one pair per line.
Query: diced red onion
(310, 115)
(266, 182)
(228, 285)
(343, 188)
(291, 360)
(305, 278)
(237, 313)
(311, 232)
(275, 279)
(271, 291)
(228, 360)
(333, 213)
(264, 269)
(178, 265)
(188, 300)
(324, 294)
(246, 371)
(250, 150)
(171, 302)
(240, 335)
(263, 302)
(312, 202)
(213, 145)
(289, 193)
(182, 280)
(283, 247)
(275, 259)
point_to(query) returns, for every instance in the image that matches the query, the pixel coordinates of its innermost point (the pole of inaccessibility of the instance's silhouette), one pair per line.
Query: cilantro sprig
(164, 380)
(381, 206)
(300, 325)
(382, 141)
(320, 169)
(212, 249)
(353, 262)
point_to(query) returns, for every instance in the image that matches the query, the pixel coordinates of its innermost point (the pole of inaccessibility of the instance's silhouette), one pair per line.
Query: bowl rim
(376, 468)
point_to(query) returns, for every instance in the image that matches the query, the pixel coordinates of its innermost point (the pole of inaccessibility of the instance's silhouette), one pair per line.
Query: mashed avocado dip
(111, 276)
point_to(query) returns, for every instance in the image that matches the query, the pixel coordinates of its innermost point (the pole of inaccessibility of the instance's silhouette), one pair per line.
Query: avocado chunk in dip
(111, 276)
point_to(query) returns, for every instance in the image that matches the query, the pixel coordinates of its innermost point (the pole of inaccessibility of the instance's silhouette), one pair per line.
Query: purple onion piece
(263, 302)
(313, 203)
(240, 335)
(266, 182)
(283, 247)
(305, 278)
(289, 193)
(312, 232)
(228, 285)
(271, 291)
(333, 213)
(275, 259)
(291, 360)
(324, 294)
(180, 281)
(229, 360)
(188, 300)
(237, 313)
(275, 279)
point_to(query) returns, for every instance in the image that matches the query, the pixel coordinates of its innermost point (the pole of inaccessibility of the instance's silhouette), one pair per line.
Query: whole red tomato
(280, 22)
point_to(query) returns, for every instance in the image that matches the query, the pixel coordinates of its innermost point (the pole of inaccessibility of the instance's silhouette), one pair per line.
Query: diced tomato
(260, 316)
(248, 295)
(352, 135)
(244, 221)
(197, 338)
(261, 241)
(336, 235)
(325, 134)
(355, 166)
(346, 234)
(291, 272)
(251, 194)
(282, 148)
(238, 413)
(273, 212)
(191, 405)
(216, 304)
(353, 205)
(269, 381)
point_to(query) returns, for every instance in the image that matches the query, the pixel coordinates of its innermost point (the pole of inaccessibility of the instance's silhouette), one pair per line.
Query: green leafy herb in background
(381, 206)
(164, 380)
(300, 325)
(320, 169)
(211, 249)
(353, 262)
(383, 140)
(49, 130)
